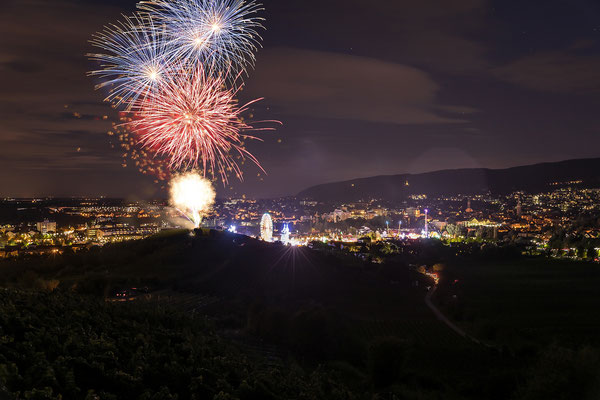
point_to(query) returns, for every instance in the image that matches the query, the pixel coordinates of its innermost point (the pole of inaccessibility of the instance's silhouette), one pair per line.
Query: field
(527, 301)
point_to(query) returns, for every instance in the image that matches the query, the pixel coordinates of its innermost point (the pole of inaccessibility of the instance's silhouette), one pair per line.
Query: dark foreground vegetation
(219, 316)
(57, 344)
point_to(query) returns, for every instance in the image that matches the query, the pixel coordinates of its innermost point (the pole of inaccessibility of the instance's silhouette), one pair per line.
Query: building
(412, 212)
(46, 227)
(469, 209)
(285, 234)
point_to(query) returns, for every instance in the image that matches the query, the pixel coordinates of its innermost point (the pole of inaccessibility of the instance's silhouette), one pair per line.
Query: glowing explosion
(174, 68)
(193, 122)
(192, 195)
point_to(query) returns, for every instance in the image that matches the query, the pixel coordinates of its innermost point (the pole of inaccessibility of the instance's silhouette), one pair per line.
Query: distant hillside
(529, 178)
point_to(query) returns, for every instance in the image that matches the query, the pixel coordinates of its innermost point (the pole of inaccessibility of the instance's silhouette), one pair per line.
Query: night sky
(363, 88)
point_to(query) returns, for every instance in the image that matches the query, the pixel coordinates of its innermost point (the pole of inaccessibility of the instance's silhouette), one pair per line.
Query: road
(449, 323)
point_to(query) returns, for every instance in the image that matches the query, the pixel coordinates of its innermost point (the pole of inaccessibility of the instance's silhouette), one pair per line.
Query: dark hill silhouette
(530, 178)
(229, 266)
(219, 313)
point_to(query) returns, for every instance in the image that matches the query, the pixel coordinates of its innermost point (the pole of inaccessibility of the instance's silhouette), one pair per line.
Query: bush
(61, 345)
(562, 373)
(387, 356)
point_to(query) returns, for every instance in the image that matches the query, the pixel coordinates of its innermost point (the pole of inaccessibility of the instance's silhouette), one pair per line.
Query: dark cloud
(45, 71)
(556, 71)
(22, 66)
(441, 35)
(329, 85)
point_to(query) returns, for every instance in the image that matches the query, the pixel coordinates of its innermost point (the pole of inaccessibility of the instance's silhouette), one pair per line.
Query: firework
(134, 61)
(192, 195)
(194, 122)
(175, 68)
(222, 35)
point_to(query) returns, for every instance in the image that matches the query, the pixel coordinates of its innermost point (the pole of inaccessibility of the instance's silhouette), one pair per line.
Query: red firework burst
(194, 121)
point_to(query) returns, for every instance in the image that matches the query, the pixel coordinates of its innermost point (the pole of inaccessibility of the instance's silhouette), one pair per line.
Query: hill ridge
(530, 178)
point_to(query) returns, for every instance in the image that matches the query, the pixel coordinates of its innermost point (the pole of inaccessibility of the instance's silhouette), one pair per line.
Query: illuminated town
(551, 223)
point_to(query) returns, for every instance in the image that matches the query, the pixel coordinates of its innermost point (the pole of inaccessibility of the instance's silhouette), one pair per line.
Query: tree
(452, 230)
(581, 251)
(562, 373)
(592, 252)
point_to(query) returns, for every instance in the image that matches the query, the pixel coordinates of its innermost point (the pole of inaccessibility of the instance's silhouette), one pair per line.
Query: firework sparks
(135, 58)
(192, 195)
(222, 35)
(134, 154)
(175, 69)
(194, 122)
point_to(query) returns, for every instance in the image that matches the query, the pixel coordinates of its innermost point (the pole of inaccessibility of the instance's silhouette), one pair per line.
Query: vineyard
(186, 302)
(425, 332)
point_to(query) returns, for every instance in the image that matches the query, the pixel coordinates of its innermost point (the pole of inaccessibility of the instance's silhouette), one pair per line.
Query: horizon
(278, 196)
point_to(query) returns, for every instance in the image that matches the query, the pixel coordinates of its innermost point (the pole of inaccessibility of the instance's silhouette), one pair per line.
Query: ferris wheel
(266, 228)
